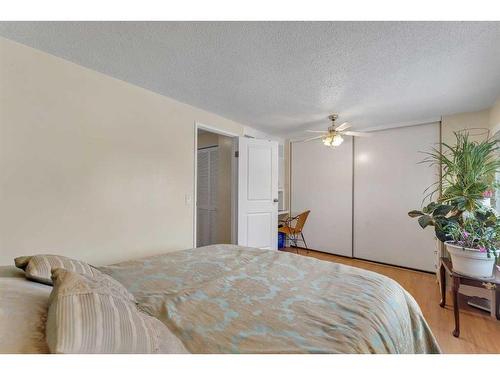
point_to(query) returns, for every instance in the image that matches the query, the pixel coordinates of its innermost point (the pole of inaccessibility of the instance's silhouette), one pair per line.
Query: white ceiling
(283, 77)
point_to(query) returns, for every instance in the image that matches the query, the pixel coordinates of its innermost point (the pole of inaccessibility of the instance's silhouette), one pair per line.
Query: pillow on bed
(88, 315)
(39, 267)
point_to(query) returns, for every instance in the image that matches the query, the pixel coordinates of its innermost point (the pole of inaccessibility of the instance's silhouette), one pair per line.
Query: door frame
(234, 177)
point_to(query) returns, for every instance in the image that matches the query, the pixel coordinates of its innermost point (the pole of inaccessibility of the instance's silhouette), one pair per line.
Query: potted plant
(468, 227)
(474, 244)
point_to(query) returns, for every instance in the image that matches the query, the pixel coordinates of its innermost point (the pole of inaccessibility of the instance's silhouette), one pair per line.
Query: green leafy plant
(438, 215)
(468, 173)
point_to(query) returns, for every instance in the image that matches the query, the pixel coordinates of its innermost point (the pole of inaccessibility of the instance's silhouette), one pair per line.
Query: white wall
(321, 181)
(92, 167)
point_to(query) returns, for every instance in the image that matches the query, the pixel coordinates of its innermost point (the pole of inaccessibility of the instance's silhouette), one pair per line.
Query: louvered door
(206, 198)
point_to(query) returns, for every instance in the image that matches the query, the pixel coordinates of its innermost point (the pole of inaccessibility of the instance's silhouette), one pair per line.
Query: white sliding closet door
(321, 181)
(389, 182)
(206, 197)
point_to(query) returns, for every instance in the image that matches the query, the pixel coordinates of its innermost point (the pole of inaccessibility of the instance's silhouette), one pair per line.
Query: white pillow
(88, 314)
(39, 267)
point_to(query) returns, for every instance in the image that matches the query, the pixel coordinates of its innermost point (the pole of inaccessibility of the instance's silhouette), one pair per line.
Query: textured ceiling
(283, 77)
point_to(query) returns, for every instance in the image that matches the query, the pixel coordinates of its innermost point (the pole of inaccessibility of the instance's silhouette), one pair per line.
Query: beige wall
(495, 117)
(207, 139)
(488, 118)
(461, 121)
(224, 181)
(92, 167)
(286, 187)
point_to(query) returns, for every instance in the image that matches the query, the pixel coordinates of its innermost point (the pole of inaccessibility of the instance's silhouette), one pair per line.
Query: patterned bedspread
(231, 299)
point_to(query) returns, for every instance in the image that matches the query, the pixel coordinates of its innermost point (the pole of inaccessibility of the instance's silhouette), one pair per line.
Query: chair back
(301, 220)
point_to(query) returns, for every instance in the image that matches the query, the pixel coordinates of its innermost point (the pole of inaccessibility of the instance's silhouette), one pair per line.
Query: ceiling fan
(332, 137)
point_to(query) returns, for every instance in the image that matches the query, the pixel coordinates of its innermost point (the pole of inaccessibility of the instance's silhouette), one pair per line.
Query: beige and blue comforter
(231, 299)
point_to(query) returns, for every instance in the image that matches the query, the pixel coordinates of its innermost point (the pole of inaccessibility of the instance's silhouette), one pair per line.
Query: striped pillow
(86, 315)
(39, 267)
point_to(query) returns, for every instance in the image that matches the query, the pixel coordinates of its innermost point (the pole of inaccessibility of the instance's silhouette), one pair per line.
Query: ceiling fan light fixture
(327, 141)
(337, 140)
(334, 140)
(333, 135)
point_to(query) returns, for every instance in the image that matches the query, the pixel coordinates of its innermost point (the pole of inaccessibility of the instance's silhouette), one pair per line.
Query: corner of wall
(495, 117)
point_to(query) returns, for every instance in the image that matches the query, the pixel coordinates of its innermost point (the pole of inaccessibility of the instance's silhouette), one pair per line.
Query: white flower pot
(471, 262)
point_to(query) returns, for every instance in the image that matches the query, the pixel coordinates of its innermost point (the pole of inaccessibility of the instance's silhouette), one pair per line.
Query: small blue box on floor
(281, 240)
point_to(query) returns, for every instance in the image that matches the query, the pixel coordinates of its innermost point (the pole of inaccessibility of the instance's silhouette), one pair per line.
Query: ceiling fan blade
(317, 131)
(357, 134)
(311, 139)
(343, 126)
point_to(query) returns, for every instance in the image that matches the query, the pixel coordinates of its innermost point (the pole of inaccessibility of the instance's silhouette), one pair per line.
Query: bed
(232, 299)
(23, 313)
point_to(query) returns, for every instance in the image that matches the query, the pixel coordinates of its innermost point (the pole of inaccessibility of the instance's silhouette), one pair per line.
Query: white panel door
(321, 181)
(257, 193)
(388, 182)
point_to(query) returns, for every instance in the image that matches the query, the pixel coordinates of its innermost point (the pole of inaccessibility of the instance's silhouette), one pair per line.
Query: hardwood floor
(479, 333)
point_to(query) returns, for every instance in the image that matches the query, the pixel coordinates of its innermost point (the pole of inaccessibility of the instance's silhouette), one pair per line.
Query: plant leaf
(425, 221)
(442, 210)
(415, 213)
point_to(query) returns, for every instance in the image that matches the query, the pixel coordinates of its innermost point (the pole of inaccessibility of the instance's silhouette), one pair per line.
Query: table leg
(497, 303)
(442, 279)
(456, 284)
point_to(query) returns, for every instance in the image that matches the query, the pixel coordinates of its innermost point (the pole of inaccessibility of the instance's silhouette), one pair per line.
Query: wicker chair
(293, 231)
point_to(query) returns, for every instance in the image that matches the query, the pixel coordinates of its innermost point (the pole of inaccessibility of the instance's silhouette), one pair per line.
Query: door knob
(275, 200)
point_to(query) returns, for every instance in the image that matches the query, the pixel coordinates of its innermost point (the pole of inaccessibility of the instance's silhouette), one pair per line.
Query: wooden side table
(493, 284)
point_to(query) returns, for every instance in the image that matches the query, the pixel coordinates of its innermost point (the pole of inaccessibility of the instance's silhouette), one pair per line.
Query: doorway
(236, 189)
(215, 188)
